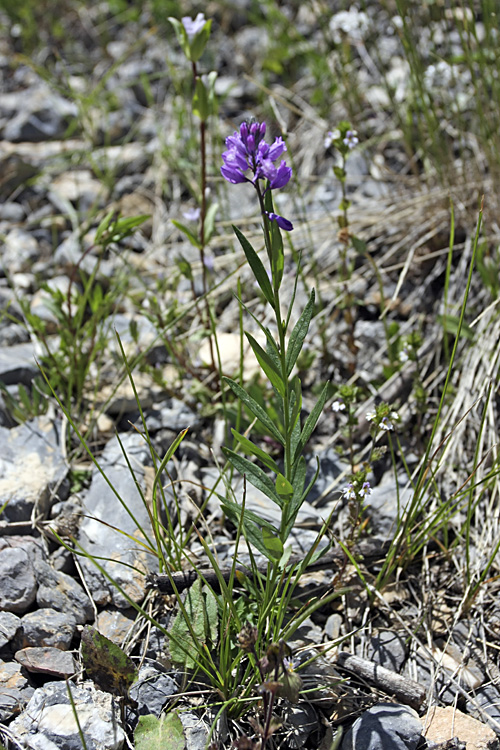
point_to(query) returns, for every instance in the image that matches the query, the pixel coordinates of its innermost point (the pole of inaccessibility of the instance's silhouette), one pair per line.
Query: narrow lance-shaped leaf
(252, 525)
(257, 267)
(277, 254)
(299, 333)
(189, 234)
(267, 364)
(273, 544)
(254, 450)
(311, 422)
(255, 408)
(254, 474)
(210, 221)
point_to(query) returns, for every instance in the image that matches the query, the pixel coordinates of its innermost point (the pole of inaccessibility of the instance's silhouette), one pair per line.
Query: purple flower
(351, 139)
(192, 214)
(193, 25)
(249, 158)
(280, 221)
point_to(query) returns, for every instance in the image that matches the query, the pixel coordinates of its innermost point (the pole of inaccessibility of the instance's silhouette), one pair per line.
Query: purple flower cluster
(248, 151)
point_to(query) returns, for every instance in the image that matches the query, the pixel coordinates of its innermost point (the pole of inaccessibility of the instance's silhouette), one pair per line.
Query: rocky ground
(411, 661)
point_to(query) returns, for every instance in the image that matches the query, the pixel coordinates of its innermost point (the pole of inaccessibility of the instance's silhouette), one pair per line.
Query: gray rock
(125, 512)
(488, 698)
(17, 363)
(11, 211)
(382, 505)
(46, 627)
(15, 691)
(47, 660)
(195, 730)
(152, 690)
(31, 451)
(17, 580)
(9, 625)
(387, 648)
(386, 726)
(48, 722)
(35, 114)
(331, 467)
(20, 249)
(172, 415)
(301, 722)
(59, 591)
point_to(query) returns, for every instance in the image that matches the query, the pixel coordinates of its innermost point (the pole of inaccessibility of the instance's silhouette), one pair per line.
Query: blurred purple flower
(248, 151)
(351, 139)
(193, 25)
(192, 214)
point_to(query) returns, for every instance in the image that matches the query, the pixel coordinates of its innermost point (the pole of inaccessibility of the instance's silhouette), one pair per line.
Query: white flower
(370, 416)
(349, 492)
(338, 406)
(332, 135)
(351, 139)
(365, 490)
(385, 424)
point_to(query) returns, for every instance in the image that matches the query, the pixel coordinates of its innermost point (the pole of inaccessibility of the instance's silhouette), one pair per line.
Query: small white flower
(349, 492)
(370, 416)
(290, 663)
(338, 406)
(351, 139)
(332, 135)
(365, 490)
(385, 424)
(403, 355)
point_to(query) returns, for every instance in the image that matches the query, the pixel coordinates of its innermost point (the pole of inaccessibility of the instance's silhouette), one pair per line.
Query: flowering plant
(249, 158)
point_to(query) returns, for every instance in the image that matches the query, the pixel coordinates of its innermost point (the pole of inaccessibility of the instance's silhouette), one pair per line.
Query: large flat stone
(32, 469)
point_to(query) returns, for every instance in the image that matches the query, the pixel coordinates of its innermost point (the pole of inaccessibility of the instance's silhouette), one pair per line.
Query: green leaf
(252, 524)
(103, 226)
(311, 422)
(257, 267)
(272, 543)
(163, 733)
(295, 401)
(451, 324)
(277, 254)
(358, 245)
(200, 101)
(106, 663)
(184, 267)
(267, 364)
(253, 450)
(254, 474)
(189, 639)
(283, 487)
(299, 333)
(199, 42)
(212, 99)
(181, 35)
(298, 479)
(256, 409)
(210, 222)
(290, 687)
(189, 234)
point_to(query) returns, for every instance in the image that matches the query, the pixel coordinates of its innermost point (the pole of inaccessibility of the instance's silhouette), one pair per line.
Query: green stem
(282, 350)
